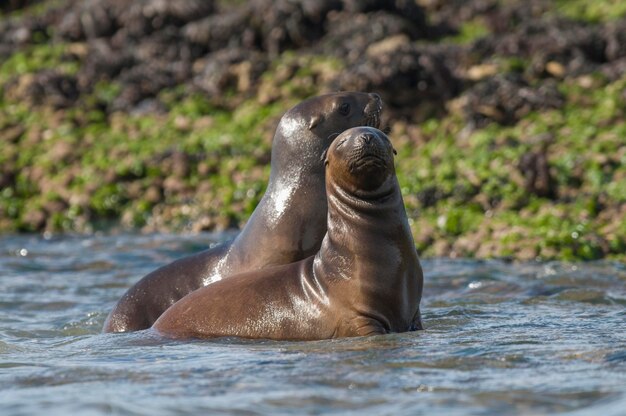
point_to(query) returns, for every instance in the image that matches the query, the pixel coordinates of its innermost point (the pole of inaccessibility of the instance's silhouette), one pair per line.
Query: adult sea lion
(366, 278)
(287, 225)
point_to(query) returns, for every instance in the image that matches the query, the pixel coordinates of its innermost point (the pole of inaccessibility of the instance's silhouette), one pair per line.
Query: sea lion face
(335, 113)
(310, 127)
(361, 159)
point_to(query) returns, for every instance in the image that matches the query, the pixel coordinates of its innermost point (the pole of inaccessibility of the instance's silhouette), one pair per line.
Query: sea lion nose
(375, 96)
(366, 138)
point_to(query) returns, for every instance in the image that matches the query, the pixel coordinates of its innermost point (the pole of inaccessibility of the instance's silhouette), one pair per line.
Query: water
(501, 338)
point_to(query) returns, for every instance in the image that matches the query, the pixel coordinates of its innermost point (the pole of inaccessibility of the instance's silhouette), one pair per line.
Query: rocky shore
(508, 116)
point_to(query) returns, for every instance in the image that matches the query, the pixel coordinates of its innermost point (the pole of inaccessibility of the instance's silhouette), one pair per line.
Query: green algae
(469, 32)
(35, 58)
(481, 197)
(592, 11)
(204, 164)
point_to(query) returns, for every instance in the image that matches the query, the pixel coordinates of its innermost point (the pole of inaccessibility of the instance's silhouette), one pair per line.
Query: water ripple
(500, 338)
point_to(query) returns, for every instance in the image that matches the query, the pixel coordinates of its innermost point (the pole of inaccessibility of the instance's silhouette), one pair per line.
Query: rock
(153, 195)
(91, 19)
(229, 70)
(34, 219)
(350, 36)
(62, 152)
(535, 168)
(506, 98)
(12, 134)
(409, 9)
(47, 87)
(215, 31)
(280, 25)
(413, 81)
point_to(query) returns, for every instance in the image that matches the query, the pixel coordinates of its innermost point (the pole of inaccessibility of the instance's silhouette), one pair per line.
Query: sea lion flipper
(362, 326)
(416, 324)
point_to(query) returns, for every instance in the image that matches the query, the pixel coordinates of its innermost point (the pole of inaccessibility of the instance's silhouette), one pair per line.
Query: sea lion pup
(287, 225)
(366, 278)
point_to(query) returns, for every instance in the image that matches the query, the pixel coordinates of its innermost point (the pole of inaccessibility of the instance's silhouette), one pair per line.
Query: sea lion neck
(363, 201)
(295, 155)
(296, 184)
(362, 220)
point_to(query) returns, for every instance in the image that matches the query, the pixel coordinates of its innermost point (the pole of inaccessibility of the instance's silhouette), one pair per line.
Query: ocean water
(501, 338)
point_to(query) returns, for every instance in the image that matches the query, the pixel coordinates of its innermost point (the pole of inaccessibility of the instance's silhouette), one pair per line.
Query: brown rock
(153, 194)
(35, 219)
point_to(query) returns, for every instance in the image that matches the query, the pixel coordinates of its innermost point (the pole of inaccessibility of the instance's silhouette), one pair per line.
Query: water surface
(501, 338)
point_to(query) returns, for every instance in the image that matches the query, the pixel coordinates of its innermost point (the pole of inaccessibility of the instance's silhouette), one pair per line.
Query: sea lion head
(307, 129)
(361, 161)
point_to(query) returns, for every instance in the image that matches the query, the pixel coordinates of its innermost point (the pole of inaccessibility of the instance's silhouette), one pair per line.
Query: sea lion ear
(394, 150)
(324, 157)
(315, 120)
(332, 137)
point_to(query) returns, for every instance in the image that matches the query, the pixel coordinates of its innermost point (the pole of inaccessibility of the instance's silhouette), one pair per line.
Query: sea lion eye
(344, 109)
(342, 141)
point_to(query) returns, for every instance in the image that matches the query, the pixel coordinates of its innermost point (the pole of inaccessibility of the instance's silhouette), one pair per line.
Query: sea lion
(287, 225)
(366, 279)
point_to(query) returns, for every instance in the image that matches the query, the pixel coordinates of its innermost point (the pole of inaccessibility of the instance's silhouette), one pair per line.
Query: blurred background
(158, 116)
